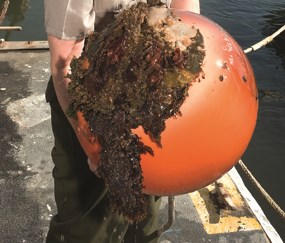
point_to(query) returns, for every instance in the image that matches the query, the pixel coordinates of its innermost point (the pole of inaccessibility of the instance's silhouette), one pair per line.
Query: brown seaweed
(130, 75)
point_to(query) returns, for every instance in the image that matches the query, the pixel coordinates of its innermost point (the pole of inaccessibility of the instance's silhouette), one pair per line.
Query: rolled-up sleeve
(69, 19)
(75, 19)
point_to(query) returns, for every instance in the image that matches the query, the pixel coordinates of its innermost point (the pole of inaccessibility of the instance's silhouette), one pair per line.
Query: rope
(269, 199)
(3, 10)
(170, 216)
(265, 41)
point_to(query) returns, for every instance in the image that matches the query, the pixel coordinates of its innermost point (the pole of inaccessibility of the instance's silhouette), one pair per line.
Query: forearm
(187, 5)
(61, 54)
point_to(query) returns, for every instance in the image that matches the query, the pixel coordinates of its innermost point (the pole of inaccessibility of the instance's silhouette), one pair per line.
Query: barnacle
(135, 72)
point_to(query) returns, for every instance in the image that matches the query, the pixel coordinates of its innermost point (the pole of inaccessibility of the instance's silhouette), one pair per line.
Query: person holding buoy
(84, 214)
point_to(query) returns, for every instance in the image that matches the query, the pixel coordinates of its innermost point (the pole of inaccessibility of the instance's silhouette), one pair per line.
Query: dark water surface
(248, 22)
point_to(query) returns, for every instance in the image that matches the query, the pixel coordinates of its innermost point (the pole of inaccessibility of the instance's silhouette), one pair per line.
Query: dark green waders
(84, 215)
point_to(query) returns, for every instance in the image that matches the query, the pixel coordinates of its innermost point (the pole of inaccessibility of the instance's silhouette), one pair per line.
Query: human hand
(88, 141)
(93, 166)
(186, 5)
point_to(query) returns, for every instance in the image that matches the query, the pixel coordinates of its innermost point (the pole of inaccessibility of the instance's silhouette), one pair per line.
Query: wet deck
(26, 186)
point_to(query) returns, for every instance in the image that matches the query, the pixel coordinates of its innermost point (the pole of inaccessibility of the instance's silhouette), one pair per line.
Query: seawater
(248, 22)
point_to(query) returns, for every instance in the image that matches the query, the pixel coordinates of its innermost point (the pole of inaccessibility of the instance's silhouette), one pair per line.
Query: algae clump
(135, 72)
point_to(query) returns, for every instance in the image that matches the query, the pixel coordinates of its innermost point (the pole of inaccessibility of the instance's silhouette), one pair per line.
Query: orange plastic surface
(217, 122)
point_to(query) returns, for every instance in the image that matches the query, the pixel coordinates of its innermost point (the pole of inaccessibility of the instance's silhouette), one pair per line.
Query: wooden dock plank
(23, 45)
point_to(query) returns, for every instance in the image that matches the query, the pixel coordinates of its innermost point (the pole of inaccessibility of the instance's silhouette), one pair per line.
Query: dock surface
(26, 184)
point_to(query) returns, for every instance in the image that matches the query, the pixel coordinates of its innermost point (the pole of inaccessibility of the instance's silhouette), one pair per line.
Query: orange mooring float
(217, 122)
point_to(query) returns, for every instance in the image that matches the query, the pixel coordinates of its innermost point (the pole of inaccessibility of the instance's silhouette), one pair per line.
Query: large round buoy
(217, 122)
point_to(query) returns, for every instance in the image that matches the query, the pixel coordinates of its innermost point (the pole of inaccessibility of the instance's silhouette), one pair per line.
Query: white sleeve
(69, 19)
